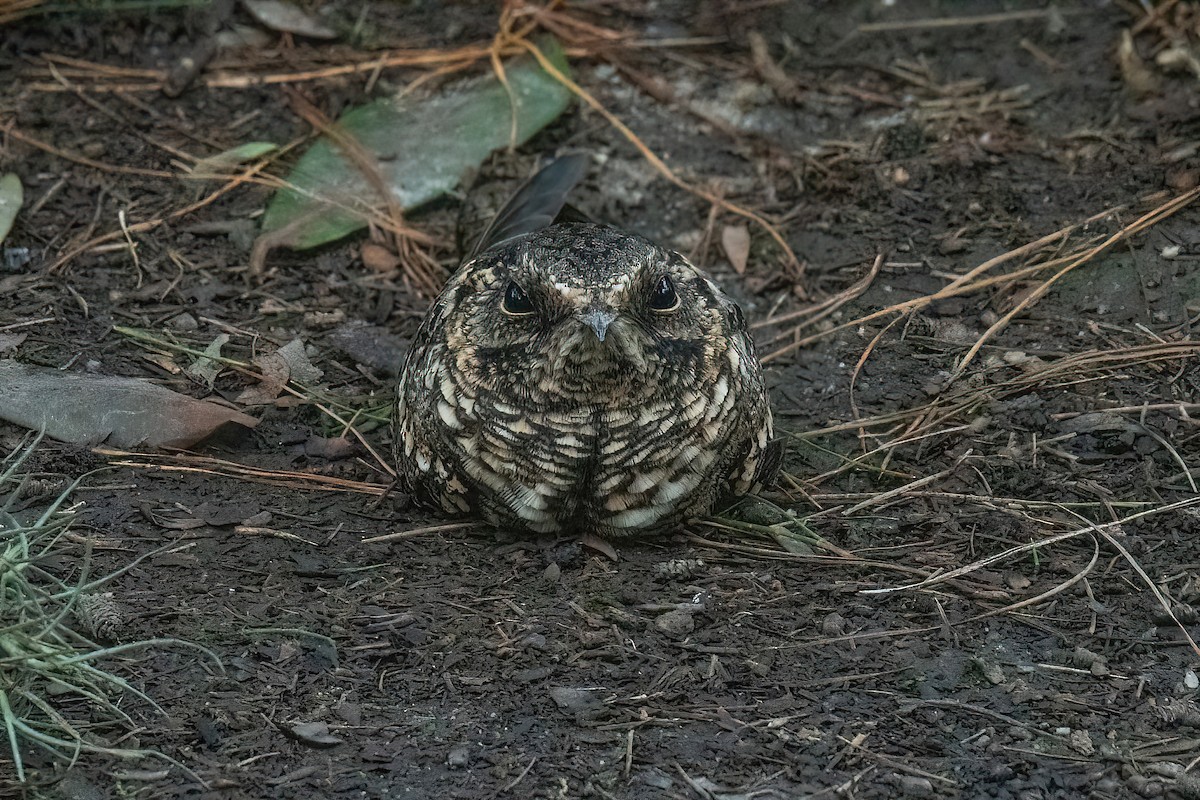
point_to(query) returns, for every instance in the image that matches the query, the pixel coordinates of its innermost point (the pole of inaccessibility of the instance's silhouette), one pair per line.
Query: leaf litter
(912, 454)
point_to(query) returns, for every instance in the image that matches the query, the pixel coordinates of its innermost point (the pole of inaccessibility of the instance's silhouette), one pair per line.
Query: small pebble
(834, 624)
(459, 756)
(678, 623)
(914, 786)
(1188, 786)
(1081, 742)
(184, 322)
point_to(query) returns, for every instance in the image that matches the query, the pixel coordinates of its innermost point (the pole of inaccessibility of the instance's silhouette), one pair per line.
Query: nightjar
(572, 377)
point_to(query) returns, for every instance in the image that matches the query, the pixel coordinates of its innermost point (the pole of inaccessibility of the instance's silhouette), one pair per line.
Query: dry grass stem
(507, 36)
(1147, 220)
(206, 465)
(959, 22)
(1100, 528)
(415, 532)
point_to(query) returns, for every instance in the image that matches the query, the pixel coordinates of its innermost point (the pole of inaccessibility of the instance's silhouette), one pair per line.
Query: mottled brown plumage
(580, 378)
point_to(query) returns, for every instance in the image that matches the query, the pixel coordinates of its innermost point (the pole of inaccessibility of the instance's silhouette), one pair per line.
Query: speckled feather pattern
(536, 422)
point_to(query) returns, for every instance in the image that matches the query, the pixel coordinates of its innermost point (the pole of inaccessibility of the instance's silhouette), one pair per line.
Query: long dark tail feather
(540, 202)
(771, 463)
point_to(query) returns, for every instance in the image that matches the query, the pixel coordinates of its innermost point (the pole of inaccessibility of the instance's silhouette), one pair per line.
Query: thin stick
(1141, 223)
(1091, 527)
(652, 157)
(955, 22)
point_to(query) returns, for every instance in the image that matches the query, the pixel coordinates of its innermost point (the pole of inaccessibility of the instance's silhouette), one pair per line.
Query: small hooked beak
(598, 321)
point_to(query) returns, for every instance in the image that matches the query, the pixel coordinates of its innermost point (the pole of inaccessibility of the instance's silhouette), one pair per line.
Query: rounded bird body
(580, 378)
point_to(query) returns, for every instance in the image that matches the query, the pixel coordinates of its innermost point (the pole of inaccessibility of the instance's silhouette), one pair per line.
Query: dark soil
(710, 664)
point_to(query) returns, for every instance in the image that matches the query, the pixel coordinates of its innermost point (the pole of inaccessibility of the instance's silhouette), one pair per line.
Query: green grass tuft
(53, 695)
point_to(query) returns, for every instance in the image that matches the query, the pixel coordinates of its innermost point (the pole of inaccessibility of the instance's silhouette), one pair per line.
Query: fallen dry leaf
(313, 734)
(288, 18)
(735, 240)
(90, 409)
(288, 363)
(1140, 79)
(378, 258)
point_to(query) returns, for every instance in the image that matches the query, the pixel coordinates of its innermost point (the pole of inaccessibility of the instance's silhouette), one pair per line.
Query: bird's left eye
(664, 297)
(516, 302)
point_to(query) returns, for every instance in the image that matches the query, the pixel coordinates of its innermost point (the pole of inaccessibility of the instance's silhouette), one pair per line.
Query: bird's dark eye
(516, 302)
(664, 297)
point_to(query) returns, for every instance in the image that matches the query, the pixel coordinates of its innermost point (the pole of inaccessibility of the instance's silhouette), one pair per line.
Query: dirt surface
(713, 663)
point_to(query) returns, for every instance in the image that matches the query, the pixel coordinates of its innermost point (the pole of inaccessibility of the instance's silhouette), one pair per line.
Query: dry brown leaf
(89, 409)
(735, 240)
(288, 363)
(1140, 79)
(378, 258)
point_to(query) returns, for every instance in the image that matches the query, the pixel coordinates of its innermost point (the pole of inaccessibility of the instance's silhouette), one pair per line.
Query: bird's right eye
(516, 302)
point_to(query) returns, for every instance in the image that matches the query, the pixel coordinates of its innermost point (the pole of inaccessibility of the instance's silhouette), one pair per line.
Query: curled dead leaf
(735, 241)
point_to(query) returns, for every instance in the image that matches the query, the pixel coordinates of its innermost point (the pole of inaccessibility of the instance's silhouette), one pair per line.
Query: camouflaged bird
(572, 377)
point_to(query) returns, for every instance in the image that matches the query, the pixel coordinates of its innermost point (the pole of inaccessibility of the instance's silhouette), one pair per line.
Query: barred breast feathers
(577, 377)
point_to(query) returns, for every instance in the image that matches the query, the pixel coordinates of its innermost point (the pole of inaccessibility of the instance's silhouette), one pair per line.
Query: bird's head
(584, 308)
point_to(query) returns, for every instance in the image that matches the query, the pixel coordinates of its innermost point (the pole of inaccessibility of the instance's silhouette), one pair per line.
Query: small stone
(1017, 581)
(679, 567)
(914, 786)
(314, 734)
(656, 778)
(951, 245)
(183, 322)
(1143, 786)
(459, 756)
(1166, 769)
(1183, 180)
(759, 668)
(834, 624)
(553, 572)
(378, 258)
(1084, 658)
(678, 623)
(574, 699)
(992, 671)
(350, 713)
(1188, 785)
(1002, 772)
(1081, 742)
(534, 641)
(533, 674)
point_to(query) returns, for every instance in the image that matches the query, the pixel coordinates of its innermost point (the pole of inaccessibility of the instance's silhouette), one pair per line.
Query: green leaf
(208, 366)
(221, 163)
(11, 198)
(422, 147)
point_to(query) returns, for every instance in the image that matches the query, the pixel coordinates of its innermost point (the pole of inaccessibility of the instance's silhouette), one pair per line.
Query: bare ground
(714, 663)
